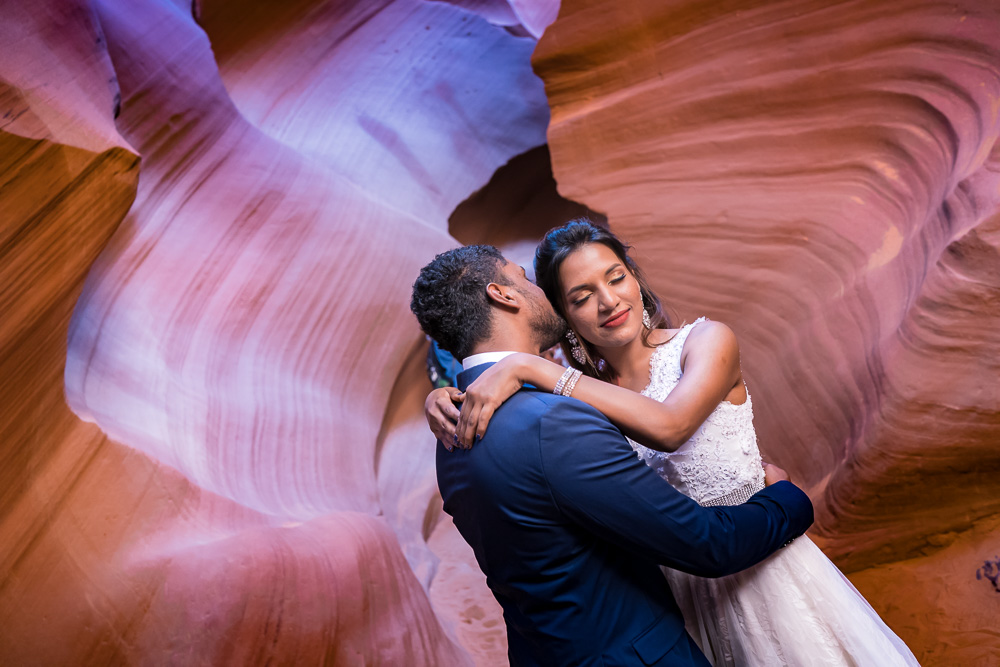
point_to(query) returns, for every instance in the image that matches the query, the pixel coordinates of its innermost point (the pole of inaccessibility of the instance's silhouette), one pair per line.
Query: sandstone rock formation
(243, 330)
(221, 458)
(826, 179)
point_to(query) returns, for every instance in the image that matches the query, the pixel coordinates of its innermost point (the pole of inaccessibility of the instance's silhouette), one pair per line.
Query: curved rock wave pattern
(824, 178)
(251, 473)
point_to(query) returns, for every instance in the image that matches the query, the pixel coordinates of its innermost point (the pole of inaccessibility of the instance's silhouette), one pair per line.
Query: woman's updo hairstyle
(556, 247)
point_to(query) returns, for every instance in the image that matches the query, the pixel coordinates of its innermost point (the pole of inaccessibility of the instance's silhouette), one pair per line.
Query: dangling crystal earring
(576, 349)
(647, 321)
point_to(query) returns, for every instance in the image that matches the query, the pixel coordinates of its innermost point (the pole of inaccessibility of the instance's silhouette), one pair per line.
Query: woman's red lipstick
(617, 320)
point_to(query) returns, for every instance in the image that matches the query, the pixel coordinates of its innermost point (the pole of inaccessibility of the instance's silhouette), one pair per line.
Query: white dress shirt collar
(483, 358)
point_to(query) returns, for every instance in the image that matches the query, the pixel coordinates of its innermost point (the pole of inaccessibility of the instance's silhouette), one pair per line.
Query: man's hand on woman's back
(773, 473)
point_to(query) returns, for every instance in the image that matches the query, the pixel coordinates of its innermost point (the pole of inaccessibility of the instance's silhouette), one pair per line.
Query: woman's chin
(616, 338)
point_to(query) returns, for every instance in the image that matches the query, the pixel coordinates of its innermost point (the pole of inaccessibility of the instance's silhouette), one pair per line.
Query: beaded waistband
(737, 497)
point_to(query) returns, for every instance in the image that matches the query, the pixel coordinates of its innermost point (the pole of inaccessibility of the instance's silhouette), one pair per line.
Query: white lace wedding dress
(795, 608)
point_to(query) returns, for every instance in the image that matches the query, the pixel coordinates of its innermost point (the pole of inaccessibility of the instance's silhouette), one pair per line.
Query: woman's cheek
(576, 322)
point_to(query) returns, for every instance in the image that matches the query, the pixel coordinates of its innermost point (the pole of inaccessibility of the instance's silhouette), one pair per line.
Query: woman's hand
(442, 413)
(497, 383)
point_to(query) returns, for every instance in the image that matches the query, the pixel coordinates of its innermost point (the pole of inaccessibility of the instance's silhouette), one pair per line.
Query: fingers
(484, 419)
(458, 397)
(472, 420)
(442, 421)
(444, 431)
(446, 403)
(460, 426)
(442, 414)
(447, 438)
(773, 473)
(467, 425)
(447, 410)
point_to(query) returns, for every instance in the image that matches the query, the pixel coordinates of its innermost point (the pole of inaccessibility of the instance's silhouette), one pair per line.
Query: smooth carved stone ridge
(245, 332)
(211, 214)
(825, 179)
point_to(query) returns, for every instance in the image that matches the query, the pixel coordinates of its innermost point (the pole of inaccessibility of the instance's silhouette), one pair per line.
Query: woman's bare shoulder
(712, 336)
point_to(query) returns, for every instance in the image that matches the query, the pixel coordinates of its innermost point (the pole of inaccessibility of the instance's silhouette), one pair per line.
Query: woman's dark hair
(556, 247)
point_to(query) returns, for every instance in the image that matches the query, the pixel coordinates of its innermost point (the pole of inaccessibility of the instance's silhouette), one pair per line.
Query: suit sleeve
(597, 480)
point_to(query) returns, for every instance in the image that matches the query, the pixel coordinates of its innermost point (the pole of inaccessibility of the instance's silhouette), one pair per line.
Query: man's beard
(548, 327)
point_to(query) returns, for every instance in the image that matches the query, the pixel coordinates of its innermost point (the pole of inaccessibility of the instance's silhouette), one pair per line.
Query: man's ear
(504, 295)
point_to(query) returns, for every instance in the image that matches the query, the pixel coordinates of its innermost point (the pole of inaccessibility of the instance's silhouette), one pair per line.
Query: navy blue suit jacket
(569, 527)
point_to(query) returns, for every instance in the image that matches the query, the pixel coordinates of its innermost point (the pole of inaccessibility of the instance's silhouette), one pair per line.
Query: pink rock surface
(245, 476)
(530, 17)
(243, 331)
(825, 179)
(417, 103)
(227, 327)
(58, 82)
(66, 180)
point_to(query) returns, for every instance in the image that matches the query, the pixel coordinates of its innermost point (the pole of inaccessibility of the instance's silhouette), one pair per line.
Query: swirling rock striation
(245, 332)
(251, 480)
(67, 178)
(825, 179)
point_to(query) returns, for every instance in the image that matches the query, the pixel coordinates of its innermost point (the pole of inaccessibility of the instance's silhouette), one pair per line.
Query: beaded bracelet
(562, 381)
(571, 383)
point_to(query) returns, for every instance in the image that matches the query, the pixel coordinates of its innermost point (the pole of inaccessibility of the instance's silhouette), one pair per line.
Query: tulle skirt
(795, 608)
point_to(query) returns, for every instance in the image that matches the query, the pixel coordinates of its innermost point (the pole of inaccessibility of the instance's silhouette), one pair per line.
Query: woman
(680, 393)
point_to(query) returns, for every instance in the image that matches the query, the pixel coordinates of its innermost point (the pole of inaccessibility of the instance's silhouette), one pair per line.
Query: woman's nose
(606, 299)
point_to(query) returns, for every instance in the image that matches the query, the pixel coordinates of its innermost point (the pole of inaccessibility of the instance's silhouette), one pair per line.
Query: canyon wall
(211, 214)
(825, 178)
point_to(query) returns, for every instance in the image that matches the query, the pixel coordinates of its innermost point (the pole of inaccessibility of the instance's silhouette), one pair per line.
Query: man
(565, 521)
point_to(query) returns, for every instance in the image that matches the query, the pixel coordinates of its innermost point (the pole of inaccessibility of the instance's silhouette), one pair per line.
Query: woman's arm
(711, 369)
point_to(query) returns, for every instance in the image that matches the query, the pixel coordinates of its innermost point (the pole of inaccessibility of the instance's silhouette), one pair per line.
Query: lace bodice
(722, 456)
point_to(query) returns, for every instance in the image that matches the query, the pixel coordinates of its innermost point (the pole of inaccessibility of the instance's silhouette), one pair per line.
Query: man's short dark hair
(449, 296)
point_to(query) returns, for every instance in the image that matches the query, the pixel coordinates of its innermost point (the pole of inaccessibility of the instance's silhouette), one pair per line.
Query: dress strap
(665, 363)
(682, 335)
